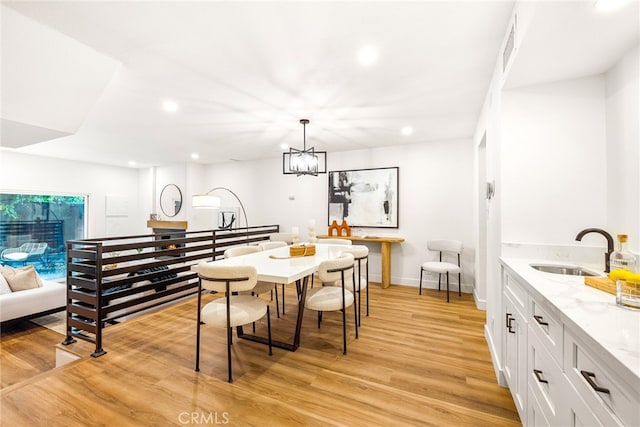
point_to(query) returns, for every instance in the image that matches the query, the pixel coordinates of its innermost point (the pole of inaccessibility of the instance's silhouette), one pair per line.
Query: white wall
(435, 198)
(553, 161)
(487, 293)
(34, 174)
(623, 147)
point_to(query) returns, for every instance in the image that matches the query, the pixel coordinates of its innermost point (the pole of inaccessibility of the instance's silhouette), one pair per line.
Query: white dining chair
(286, 237)
(361, 265)
(334, 298)
(449, 248)
(232, 310)
(336, 241)
(261, 286)
(273, 245)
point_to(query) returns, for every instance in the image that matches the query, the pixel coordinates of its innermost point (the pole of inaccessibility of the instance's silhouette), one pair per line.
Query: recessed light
(195, 156)
(407, 130)
(367, 55)
(170, 106)
(132, 163)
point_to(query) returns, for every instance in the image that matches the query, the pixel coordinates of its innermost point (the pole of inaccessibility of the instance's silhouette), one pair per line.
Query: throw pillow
(4, 286)
(21, 279)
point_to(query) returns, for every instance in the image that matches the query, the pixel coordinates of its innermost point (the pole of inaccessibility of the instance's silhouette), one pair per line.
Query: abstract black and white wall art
(364, 197)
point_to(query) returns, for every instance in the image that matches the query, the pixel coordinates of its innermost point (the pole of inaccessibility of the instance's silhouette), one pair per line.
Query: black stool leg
(459, 285)
(420, 292)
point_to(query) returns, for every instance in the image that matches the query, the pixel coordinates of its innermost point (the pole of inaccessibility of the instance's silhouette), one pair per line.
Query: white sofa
(27, 303)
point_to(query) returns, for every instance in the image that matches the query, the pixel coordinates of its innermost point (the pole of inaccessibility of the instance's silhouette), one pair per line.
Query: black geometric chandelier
(305, 161)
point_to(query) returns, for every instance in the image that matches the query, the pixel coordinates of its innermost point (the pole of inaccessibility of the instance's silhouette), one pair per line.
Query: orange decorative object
(345, 230)
(334, 227)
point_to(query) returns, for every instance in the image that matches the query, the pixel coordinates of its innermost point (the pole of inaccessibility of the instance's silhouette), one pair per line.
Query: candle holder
(311, 233)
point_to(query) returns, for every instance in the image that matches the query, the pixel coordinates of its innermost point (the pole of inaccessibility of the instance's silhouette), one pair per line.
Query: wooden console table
(385, 245)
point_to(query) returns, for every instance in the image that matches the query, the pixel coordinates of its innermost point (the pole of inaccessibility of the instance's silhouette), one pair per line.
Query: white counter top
(590, 313)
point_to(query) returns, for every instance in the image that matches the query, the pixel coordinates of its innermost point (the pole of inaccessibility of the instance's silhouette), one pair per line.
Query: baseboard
(481, 304)
(433, 284)
(495, 359)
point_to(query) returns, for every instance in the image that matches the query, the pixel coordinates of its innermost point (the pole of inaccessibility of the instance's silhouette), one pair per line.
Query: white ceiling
(243, 74)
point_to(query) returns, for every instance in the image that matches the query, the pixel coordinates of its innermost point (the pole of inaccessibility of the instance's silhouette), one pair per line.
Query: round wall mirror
(171, 200)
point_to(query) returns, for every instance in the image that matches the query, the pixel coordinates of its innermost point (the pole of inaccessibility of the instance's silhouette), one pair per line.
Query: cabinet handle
(537, 373)
(587, 376)
(508, 316)
(539, 320)
(509, 325)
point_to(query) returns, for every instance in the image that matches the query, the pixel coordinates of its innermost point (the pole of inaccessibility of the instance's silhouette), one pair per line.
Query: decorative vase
(334, 227)
(345, 230)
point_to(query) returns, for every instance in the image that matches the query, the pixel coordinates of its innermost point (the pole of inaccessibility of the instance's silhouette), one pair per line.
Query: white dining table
(275, 265)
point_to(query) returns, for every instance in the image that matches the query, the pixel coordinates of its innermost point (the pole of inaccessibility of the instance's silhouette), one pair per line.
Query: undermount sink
(568, 270)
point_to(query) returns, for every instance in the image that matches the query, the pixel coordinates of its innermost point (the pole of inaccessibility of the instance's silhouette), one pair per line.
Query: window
(34, 229)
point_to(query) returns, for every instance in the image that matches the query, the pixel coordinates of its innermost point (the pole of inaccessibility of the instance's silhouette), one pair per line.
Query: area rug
(56, 322)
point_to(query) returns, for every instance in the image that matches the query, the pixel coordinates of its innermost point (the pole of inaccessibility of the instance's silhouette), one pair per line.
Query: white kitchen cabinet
(535, 413)
(545, 379)
(556, 374)
(608, 396)
(515, 341)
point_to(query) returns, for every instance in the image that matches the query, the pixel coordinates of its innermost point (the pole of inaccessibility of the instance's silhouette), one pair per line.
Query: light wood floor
(26, 350)
(418, 361)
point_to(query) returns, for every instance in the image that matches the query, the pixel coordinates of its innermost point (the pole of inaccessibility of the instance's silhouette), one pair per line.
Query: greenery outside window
(34, 229)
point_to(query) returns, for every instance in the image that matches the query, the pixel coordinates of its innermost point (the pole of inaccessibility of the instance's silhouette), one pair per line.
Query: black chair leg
(356, 310)
(447, 286)
(229, 353)
(319, 318)
(344, 330)
(420, 291)
(360, 308)
(277, 306)
(367, 298)
(439, 276)
(198, 328)
(459, 285)
(269, 327)
(283, 299)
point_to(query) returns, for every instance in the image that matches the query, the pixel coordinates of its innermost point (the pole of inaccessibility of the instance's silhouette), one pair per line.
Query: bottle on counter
(621, 258)
(623, 271)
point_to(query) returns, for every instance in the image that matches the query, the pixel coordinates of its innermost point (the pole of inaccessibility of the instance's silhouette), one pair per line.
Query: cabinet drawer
(545, 323)
(535, 414)
(516, 291)
(545, 379)
(611, 400)
(580, 415)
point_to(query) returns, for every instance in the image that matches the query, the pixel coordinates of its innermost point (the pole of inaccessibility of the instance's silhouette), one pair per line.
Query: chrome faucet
(607, 236)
